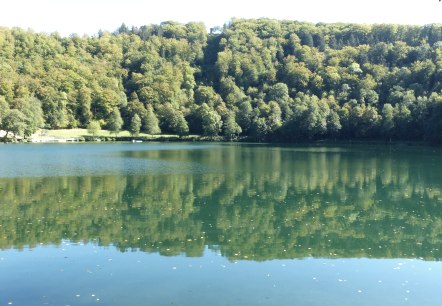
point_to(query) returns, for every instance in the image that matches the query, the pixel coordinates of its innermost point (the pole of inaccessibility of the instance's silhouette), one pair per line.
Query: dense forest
(281, 204)
(257, 79)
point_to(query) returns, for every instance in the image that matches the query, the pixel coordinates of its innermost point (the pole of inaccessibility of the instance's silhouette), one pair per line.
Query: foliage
(283, 80)
(231, 128)
(14, 121)
(151, 123)
(135, 125)
(115, 121)
(210, 120)
(93, 127)
(173, 120)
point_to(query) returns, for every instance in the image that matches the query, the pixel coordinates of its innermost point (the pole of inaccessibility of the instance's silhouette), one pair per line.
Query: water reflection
(250, 202)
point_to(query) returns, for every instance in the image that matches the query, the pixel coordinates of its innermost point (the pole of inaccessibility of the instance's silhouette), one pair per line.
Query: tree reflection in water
(248, 202)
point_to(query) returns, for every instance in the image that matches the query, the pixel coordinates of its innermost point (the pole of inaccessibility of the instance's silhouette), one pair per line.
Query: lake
(220, 224)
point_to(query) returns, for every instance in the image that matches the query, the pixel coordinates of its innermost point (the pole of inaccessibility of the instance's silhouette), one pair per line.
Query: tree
(280, 94)
(34, 115)
(273, 114)
(115, 121)
(23, 119)
(93, 128)
(206, 94)
(135, 107)
(333, 123)
(387, 120)
(84, 106)
(296, 74)
(123, 29)
(210, 120)
(151, 123)
(231, 129)
(310, 117)
(135, 125)
(370, 121)
(14, 121)
(244, 115)
(172, 120)
(4, 107)
(182, 127)
(433, 124)
(259, 128)
(402, 120)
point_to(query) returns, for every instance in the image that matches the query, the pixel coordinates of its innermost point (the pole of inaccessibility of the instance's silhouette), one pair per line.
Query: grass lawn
(67, 133)
(70, 133)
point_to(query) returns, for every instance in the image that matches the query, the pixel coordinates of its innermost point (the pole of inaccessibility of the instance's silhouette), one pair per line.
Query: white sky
(89, 16)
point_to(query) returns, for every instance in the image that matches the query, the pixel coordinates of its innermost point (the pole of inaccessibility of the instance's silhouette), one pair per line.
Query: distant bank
(81, 135)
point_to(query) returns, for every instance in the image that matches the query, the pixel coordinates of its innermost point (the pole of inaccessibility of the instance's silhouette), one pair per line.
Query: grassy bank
(71, 133)
(105, 135)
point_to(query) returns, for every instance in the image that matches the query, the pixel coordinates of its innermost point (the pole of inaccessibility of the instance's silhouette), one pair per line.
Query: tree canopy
(261, 78)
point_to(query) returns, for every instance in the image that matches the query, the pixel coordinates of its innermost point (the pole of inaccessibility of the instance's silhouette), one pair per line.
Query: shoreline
(199, 138)
(64, 136)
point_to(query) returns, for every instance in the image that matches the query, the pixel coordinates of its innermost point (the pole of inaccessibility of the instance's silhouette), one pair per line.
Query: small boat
(134, 141)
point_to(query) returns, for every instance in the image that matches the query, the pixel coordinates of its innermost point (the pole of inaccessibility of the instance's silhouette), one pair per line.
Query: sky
(89, 16)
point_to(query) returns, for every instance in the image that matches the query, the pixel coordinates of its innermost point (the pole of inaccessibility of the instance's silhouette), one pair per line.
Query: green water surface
(220, 224)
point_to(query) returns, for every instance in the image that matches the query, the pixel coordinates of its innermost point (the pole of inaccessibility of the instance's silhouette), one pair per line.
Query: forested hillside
(265, 79)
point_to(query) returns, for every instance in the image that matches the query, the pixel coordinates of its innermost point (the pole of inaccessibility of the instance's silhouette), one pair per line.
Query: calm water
(212, 224)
